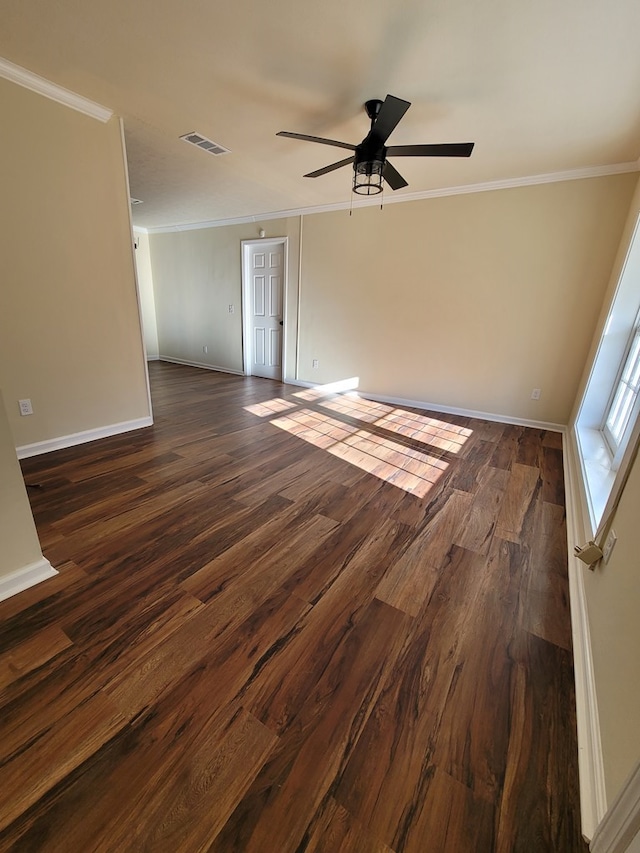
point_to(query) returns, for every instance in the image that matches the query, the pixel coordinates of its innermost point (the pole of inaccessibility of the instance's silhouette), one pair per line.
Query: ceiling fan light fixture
(367, 177)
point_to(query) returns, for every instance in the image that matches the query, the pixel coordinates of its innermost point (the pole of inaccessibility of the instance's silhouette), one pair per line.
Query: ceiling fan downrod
(373, 107)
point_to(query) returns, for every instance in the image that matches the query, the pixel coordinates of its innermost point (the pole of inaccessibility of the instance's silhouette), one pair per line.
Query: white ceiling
(541, 87)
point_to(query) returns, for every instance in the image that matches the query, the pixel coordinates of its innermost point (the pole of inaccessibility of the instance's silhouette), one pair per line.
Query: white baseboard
(593, 797)
(201, 364)
(621, 824)
(445, 410)
(83, 437)
(25, 577)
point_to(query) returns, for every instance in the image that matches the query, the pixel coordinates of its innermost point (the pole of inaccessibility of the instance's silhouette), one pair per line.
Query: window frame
(603, 467)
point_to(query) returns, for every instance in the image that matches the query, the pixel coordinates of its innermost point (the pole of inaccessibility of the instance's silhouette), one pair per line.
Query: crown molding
(465, 189)
(29, 80)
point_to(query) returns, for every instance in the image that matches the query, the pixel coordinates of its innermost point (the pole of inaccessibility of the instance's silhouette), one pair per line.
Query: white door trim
(246, 246)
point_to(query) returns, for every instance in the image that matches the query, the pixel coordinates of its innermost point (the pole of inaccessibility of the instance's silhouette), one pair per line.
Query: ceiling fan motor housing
(368, 167)
(369, 153)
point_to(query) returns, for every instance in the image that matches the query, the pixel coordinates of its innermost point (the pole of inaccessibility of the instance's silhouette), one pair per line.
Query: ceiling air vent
(206, 144)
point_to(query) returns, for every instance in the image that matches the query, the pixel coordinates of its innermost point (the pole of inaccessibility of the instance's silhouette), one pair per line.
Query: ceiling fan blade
(452, 149)
(390, 114)
(330, 168)
(319, 139)
(393, 177)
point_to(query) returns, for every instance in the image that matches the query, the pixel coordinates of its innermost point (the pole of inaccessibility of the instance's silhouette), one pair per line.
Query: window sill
(599, 477)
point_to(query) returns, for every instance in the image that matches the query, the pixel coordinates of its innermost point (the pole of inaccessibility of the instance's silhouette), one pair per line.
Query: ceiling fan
(370, 164)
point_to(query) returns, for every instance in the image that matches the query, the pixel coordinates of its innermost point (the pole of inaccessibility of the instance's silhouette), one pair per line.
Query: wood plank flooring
(293, 621)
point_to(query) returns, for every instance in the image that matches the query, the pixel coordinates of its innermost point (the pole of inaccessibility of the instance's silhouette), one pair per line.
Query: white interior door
(266, 281)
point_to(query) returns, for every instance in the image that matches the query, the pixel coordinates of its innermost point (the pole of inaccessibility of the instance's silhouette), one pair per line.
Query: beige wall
(613, 597)
(469, 301)
(146, 295)
(70, 336)
(197, 274)
(19, 541)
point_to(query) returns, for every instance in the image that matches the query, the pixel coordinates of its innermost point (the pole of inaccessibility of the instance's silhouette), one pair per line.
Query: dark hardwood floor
(293, 621)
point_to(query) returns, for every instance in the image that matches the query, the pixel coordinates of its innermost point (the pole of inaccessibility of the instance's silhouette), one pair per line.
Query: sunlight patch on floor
(329, 389)
(402, 447)
(270, 407)
(413, 470)
(427, 430)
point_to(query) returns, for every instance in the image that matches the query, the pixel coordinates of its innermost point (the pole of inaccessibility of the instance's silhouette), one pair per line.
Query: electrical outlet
(232, 309)
(609, 544)
(535, 394)
(314, 363)
(25, 407)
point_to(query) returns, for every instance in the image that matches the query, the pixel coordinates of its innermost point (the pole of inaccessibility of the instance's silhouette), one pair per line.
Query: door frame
(247, 299)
